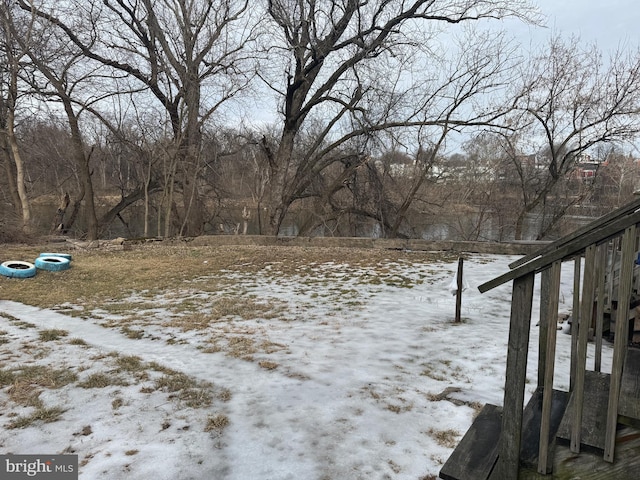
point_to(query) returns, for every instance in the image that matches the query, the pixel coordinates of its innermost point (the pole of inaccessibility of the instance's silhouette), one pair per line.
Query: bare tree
(617, 178)
(569, 100)
(10, 70)
(188, 54)
(485, 187)
(61, 77)
(348, 65)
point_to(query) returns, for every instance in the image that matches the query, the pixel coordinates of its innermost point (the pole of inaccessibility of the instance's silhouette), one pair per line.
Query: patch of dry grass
(184, 388)
(98, 278)
(268, 365)
(26, 383)
(39, 375)
(131, 363)
(102, 380)
(446, 438)
(241, 347)
(189, 317)
(46, 415)
(192, 321)
(132, 333)
(216, 423)
(25, 393)
(52, 334)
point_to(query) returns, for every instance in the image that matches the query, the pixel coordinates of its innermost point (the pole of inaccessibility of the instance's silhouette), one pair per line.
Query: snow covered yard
(333, 371)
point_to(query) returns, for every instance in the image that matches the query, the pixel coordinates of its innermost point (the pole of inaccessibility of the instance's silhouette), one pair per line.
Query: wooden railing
(598, 244)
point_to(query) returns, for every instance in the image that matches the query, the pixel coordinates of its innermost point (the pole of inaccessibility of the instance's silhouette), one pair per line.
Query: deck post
(621, 340)
(553, 279)
(575, 311)
(516, 373)
(586, 313)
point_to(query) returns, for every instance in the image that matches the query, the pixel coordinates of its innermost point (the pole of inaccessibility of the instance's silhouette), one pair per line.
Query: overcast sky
(610, 23)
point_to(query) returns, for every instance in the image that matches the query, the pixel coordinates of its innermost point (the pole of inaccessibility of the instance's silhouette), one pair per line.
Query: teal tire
(17, 269)
(63, 255)
(52, 263)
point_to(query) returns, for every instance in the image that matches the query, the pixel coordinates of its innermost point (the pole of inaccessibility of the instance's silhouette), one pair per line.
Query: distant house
(586, 171)
(396, 163)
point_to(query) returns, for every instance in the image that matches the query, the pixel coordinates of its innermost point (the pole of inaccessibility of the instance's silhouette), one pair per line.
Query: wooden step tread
(476, 454)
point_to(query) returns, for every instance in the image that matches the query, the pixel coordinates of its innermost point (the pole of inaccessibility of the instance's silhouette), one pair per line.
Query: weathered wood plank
(475, 456)
(545, 322)
(532, 435)
(591, 466)
(596, 391)
(573, 248)
(516, 372)
(600, 222)
(620, 340)
(586, 309)
(630, 387)
(459, 284)
(577, 262)
(549, 366)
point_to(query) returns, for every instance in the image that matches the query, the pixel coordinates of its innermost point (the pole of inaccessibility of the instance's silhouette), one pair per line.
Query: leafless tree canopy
(159, 107)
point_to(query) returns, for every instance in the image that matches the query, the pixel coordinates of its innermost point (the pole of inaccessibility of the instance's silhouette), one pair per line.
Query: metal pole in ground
(459, 291)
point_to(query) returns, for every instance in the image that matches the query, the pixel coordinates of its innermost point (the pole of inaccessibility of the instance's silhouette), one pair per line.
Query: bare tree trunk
(58, 220)
(115, 211)
(84, 169)
(75, 211)
(147, 180)
(519, 226)
(280, 192)
(12, 56)
(192, 222)
(10, 175)
(20, 173)
(246, 214)
(169, 210)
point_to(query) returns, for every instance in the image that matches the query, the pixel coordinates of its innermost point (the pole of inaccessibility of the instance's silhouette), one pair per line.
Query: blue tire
(52, 263)
(63, 255)
(17, 269)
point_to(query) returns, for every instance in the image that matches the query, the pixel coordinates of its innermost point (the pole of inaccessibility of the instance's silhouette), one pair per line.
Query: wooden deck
(630, 389)
(477, 453)
(590, 465)
(594, 413)
(600, 419)
(478, 461)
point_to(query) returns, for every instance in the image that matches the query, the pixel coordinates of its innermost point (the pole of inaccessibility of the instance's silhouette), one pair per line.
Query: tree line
(342, 113)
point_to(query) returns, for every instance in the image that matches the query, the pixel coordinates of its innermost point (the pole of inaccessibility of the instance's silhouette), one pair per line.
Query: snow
(347, 384)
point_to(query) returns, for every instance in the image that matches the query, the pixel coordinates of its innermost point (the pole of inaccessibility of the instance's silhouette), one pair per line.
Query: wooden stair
(531, 427)
(594, 412)
(478, 451)
(629, 406)
(596, 396)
